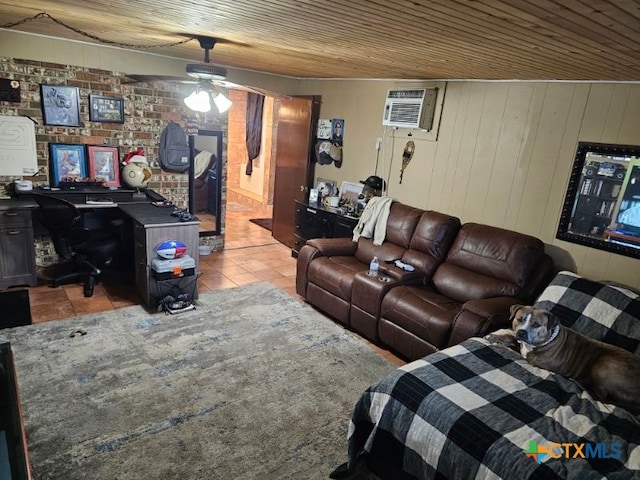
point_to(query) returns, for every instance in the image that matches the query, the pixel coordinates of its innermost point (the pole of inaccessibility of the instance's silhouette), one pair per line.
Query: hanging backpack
(173, 155)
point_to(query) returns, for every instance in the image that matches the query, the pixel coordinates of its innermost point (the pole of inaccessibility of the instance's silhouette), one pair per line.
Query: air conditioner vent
(410, 108)
(405, 113)
(407, 94)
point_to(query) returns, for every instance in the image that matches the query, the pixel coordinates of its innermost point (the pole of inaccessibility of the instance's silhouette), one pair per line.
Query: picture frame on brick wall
(104, 164)
(60, 105)
(67, 163)
(106, 109)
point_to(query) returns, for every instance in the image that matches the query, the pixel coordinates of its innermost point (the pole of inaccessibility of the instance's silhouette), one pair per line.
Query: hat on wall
(323, 148)
(335, 152)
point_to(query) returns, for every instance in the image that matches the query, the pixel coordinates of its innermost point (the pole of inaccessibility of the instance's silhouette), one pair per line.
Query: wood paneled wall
(503, 154)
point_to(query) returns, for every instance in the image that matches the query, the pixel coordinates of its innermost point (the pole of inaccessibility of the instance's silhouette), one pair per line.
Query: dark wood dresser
(315, 221)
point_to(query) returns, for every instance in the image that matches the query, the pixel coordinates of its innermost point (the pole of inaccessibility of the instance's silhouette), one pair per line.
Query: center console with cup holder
(366, 297)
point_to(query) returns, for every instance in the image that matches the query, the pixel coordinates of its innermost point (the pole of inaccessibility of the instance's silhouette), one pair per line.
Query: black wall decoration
(9, 90)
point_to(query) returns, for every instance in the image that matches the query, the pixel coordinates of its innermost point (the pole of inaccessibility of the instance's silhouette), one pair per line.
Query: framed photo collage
(95, 164)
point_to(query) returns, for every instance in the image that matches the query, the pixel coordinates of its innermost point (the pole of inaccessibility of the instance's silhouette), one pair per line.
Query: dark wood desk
(80, 196)
(17, 252)
(18, 228)
(150, 226)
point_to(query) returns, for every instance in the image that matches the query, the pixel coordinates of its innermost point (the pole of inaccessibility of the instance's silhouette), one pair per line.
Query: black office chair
(89, 250)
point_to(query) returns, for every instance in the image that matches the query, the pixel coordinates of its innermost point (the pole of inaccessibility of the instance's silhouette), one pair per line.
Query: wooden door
(295, 121)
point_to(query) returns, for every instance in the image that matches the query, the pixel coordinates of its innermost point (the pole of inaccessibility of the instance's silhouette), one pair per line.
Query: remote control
(404, 266)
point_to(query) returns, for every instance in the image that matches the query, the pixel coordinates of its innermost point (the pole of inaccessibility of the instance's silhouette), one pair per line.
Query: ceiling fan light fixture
(222, 102)
(198, 101)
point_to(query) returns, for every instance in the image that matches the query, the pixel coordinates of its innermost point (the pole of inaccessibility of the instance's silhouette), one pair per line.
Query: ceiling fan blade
(203, 73)
(134, 78)
(247, 88)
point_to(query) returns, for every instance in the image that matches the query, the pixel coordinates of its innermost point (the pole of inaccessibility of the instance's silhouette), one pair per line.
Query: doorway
(287, 125)
(249, 193)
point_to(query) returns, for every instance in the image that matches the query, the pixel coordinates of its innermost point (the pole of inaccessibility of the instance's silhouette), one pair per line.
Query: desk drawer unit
(146, 240)
(17, 252)
(140, 244)
(15, 219)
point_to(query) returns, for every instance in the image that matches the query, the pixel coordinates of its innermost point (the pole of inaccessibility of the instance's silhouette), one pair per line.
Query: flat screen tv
(602, 203)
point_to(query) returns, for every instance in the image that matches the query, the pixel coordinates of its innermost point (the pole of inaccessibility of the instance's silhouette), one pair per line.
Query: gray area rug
(251, 384)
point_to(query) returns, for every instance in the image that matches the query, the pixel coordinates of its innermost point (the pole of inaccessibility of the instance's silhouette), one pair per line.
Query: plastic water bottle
(373, 267)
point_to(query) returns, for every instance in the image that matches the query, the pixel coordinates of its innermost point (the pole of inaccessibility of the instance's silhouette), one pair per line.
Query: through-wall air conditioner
(410, 108)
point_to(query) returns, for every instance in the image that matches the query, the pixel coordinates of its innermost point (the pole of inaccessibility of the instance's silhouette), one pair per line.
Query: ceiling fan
(208, 79)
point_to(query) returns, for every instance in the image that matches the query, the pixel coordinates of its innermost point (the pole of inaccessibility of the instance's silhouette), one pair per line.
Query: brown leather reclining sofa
(465, 280)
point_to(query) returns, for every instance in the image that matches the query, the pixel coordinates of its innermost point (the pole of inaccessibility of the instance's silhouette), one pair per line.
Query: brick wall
(147, 108)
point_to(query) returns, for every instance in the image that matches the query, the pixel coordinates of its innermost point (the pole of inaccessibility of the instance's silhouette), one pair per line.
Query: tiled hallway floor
(251, 254)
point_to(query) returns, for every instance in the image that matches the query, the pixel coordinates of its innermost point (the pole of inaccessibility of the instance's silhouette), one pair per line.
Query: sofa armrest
(334, 247)
(542, 275)
(306, 254)
(319, 247)
(477, 317)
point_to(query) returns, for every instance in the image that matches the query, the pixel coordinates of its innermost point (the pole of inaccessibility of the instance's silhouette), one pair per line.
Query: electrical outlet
(378, 143)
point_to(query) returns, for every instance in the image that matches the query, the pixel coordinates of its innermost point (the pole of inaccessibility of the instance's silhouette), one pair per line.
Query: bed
(477, 410)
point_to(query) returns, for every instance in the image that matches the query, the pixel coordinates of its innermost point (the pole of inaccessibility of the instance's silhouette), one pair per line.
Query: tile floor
(251, 254)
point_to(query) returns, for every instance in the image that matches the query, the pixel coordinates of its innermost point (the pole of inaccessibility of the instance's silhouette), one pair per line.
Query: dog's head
(532, 325)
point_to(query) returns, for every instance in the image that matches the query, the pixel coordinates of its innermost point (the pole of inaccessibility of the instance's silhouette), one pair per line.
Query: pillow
(607, 313)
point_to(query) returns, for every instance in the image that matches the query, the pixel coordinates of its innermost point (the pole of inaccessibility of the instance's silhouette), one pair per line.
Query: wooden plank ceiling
(399, 39)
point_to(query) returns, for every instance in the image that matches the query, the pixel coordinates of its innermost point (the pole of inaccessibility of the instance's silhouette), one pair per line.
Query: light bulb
(222, 103)
(198, 101)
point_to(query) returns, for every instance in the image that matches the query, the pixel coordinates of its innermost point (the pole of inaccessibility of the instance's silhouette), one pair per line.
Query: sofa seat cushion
(464, 285)
(335, 274)
(420, 311)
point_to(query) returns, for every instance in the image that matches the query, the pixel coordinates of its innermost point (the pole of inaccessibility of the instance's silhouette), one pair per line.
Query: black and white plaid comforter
(473, 410)
(478, 410)
(605, 312)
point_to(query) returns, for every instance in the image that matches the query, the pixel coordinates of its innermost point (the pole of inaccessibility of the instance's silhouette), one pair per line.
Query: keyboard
(99, 201)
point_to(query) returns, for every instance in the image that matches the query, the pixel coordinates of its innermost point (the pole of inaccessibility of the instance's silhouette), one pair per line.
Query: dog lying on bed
(610, 373)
